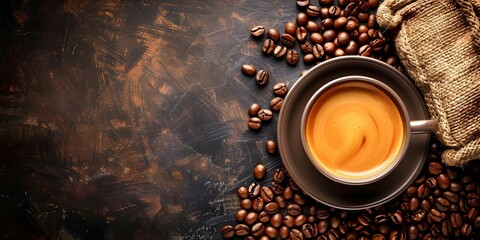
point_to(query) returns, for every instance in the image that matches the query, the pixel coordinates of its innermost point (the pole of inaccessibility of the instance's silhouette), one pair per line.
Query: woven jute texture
(438, 41)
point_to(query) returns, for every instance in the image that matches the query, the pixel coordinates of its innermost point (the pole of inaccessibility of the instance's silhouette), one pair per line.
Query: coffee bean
(249, 69)
(313, 11)
(418, 215)
(266, 194)
(276, 220)
(451, 196)
(271, 208)
(364, 219)
(447, 229)
(363, 5)
(241, 230)
(288, 40)
(242, 192)
(343, 38)
(436, 215)
(300, 220)
(365, 51)
(412, 232)
(351, 25)
(340, 22)
(271, 232)
(282, 203)
(253, 110)
(316, 38)
(265, 115)
(258, 31)
(351, 9)
(471, 187)
(373, 3)
(288, 220)
(257, 204)
(273, 34)
(277, 188)
(372, 21)
(262, 77)
(294, 209)
(279, 51)
(372, 33)
(268, 47)
(303, 3)
(334, 11)
(463, 205)
(254, 189)
(431, 182)
(284, 232)
(318, 51)
(472, 214)
(296, 234)
(327, 23)
(396, 217)
(380, 218)
(442, 204)
(301, 34)
(263, 217)
(228, 231)
(466, 229)
(292, 57)
(246, 203)
(456, 220)
(312, 26)
(279, 175)
(325, 3)
(306, 47)
(251, 218)
(377, 44)
(270, 145)
(473, 199)
(329, 35)
(333, 234)
(257, 229)
(413, 204)
(240, 215)
(298, 199)
(290, 28)
(301, 19)
(309, 58)
(288, 193)
(363, 38)
(443, 181)
(422, 191)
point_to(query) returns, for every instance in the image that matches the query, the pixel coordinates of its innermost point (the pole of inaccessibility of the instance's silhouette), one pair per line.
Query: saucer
(302, 171)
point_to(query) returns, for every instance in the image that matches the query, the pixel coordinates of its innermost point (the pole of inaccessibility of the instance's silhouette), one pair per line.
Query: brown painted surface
(127, 119)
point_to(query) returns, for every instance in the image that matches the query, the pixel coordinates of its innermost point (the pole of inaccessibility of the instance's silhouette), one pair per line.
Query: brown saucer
(308, 178)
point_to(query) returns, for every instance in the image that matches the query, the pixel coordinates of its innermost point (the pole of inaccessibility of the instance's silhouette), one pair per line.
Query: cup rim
(406, 130)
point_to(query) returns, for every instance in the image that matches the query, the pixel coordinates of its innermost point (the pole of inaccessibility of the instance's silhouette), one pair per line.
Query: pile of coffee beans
(442, 203)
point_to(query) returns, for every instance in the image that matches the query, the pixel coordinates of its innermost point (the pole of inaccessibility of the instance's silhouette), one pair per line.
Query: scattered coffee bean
(306, 47)
(309, 58)
(288, 40)
(259, 171)
(318, 51)
(273, 34)
(262, 77)
(265, 115)
(292, 57)
(253, 110)
(241, 230)
(280, 89)
(301, 19)
(268, 47)
(276, 103)
(279, 51)
(313, 11)
(290, 28)
(255, 123)
(271, 147)
(258, 31)
(249, 69)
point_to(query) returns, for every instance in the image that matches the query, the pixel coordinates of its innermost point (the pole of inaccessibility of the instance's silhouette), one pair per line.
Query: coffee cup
(355, 130)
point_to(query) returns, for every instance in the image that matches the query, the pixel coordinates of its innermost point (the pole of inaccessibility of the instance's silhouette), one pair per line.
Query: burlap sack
(438, 41)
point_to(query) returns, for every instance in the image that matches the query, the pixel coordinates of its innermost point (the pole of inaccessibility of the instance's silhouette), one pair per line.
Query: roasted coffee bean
(257, 204)
(443, 181)
(306, 47)
(343, 38)
(253, 110)
(271, 232)
(292, 57)
(333, 234)
(254, 189)
(280, 89)
(412, 232)
(251, 218)
(323, 213)
(396, 217)
(436, 215)
(378, 236)
(262, 77)
(436, 229)
(298, 199)
(258, 31)
(340, 22)
(442, 204)
(472, 214)
(435, 168)
(309, 230)
(265, 115)
(377, 44)
(318, 51)
(362, 16)
(405, 206)
(257, 229)
(246, 203)
(301, 34)
(249, 69)
(466, 229)
(309, 58)
(380, 218)
(334, 11)
(372, 21)
(242, 192)
(372, 33)
(279, 175)
(471, 187)
(447, 229)
(422, 191)
(290, 28)
(241, 230)
(313, 11)
(431, 182)
(288, 220)
(279, 51)
(335, 222)
(324, 12)
(363, 5)
(327, 23)
(273, 34)
(240, 215)
(294, 209)
(463, 205)
(329, 35)
(316, 38)
(329, 48)
(351, 25)
(259, 171)
(282, 203)
(351, 48)
(284, 232)
(312, 26)
(418, 215)
(288, 193)
(456, 220)
(271, 208)
(303, 3)
(473, 199)
(437, 192)
(296, 234)
(268, 47)
(270, 145)
(411, 191)
(414, 203)
(351, 9)
(364, 219)
(276, 220)
(364, 38)
(228, 231)
(277, 188)
(325, 3)
(300, 220)
(288, 40)
(365, 51)
(373, 3)
(397, 235)
(276, 103)
(422, 226)
(451, 196)
(263, 217)
(266, 194)
(301, 19)
(322, 226)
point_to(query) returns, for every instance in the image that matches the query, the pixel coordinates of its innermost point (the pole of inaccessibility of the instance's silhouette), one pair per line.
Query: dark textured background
(127, 119)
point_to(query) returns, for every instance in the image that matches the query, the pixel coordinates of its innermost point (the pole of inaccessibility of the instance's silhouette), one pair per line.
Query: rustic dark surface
(127, 119)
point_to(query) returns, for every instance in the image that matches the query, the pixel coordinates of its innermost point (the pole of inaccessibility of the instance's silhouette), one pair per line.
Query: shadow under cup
(356, 129)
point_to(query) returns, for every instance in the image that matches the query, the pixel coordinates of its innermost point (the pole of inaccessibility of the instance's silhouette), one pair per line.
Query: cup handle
(424, 126)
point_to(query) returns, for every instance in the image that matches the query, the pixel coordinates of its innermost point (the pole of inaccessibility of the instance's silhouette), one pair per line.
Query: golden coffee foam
(354, 130)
